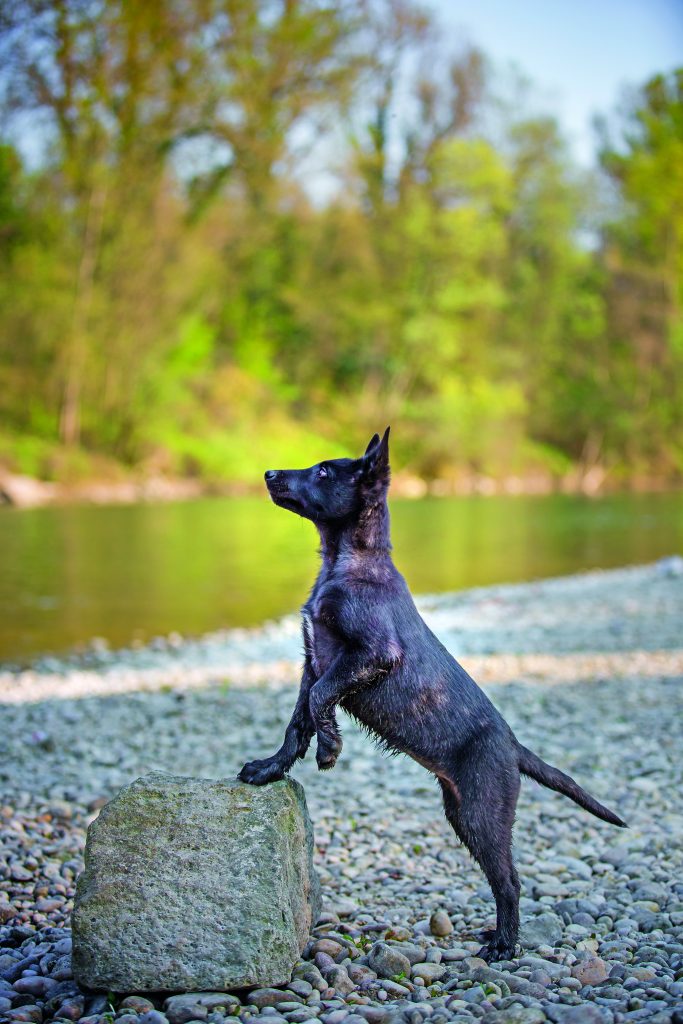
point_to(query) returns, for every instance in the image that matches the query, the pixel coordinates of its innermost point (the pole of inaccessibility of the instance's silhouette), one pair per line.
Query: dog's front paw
(329, 749)
(259, 773)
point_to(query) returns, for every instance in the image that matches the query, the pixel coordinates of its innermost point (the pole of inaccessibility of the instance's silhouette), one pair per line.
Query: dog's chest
(320, 640)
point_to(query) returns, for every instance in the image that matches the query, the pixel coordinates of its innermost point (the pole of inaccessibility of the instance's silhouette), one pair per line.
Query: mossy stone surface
(195, 885)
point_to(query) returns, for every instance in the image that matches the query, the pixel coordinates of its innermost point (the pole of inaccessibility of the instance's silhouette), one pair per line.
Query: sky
(579, 54)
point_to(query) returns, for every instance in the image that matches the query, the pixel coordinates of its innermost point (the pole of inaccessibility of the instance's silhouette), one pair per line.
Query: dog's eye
(322, 473)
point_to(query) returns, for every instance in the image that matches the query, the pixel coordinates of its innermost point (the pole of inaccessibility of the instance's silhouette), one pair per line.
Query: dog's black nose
(270, 474)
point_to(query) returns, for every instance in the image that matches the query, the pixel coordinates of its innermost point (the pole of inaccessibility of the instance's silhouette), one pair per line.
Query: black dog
(367, 649)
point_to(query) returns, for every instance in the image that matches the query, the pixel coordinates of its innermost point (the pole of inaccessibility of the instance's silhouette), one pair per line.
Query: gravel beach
(587, 669)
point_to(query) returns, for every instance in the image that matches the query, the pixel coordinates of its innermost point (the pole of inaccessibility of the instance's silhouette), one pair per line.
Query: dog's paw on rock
(258, 773)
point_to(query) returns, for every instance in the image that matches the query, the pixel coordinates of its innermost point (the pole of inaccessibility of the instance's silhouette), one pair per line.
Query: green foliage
(172, 300)
(27, 454)
(643, 260)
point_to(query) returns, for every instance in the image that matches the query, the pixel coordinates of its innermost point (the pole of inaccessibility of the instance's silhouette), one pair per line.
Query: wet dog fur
(367, 649)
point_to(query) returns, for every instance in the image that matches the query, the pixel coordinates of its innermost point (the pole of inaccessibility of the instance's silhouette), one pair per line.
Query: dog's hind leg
(481, 809)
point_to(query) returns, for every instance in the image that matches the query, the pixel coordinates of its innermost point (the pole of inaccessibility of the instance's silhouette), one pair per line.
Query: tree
(643, 258)
(174, 288)
(123, 88)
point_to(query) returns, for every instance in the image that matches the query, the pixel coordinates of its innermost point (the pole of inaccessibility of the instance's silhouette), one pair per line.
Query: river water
(129, 573)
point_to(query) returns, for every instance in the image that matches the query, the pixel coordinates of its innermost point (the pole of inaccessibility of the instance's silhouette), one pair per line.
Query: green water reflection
(134, 572)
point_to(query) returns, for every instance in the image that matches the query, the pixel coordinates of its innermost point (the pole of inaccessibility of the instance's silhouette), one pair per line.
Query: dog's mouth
(282, 496)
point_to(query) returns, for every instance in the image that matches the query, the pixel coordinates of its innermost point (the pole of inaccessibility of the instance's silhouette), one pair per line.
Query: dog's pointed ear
(383, 450)
(376, 462)
(373, 441)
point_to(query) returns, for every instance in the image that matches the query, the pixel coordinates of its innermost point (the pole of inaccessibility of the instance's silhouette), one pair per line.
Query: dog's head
(336, 489)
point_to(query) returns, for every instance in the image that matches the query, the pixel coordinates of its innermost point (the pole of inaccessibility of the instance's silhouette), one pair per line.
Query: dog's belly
(423, 717)
(404, 715)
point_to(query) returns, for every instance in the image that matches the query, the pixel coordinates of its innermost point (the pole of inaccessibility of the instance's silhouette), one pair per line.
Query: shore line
(606, 623)
(530, 669)
(25, 492)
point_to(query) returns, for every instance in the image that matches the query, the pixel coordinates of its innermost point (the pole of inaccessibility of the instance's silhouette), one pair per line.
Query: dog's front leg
(348, 672)
(298, 735)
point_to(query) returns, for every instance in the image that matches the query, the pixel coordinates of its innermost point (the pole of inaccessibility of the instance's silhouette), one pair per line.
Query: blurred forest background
(261, 229)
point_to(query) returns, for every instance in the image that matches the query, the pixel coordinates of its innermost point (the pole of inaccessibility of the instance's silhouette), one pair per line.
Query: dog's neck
(368, 535)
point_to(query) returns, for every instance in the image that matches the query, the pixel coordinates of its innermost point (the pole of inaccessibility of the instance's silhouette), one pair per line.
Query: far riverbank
(30, 492)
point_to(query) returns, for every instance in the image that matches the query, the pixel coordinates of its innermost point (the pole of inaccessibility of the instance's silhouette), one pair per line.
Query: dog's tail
(532, 765)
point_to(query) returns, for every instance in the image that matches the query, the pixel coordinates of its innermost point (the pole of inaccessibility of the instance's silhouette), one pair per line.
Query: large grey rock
(195, 885)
